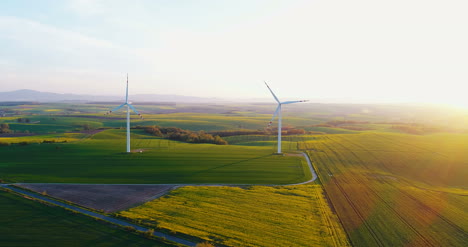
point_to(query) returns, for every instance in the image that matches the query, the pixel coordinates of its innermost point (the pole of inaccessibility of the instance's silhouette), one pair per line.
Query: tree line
(178, 134)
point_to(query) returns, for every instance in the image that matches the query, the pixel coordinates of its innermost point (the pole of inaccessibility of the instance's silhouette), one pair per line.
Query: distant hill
(37, 96)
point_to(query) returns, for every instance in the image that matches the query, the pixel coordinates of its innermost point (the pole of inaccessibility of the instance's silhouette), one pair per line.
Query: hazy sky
(366, 51)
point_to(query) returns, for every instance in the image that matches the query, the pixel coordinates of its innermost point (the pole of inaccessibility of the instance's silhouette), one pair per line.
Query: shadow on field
(230, 164)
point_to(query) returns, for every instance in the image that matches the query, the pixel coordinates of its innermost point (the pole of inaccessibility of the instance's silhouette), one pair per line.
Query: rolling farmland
(384, 187)
(387, 190)
(394, 190)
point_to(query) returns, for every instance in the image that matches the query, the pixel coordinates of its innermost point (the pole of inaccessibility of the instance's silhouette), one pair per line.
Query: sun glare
(456, 102)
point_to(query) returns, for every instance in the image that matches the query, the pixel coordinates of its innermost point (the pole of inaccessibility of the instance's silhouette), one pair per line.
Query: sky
(348, 51)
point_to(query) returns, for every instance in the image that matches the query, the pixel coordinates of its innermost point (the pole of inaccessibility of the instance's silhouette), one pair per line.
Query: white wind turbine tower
(129, 105)
(278, 113)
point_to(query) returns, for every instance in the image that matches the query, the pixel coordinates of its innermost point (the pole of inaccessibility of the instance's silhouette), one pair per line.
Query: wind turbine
(278, 113)
(129, 105)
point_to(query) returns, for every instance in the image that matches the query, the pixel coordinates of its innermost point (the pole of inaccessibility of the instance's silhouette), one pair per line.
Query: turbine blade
(135, 110)
(271, 91)
(274, 115)
(292, 102)
(115, 109)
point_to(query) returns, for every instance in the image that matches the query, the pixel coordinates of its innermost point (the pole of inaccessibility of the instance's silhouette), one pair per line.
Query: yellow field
(256, 216)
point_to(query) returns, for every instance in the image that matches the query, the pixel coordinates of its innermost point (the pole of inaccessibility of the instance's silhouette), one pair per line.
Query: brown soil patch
(106, 197)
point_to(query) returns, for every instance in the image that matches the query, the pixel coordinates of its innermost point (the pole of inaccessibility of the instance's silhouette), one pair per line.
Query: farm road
(100, 216)
(314, 175)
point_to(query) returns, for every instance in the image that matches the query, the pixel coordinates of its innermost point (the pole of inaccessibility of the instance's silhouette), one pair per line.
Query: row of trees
(272, 131)
(178, 134)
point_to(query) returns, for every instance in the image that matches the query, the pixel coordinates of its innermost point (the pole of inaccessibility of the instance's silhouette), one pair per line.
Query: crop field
(62, 137)
(386, 189)
(25, 222)
(382, 183)
(254, 216)
(99, 159)
(395, 190)
(55, 118)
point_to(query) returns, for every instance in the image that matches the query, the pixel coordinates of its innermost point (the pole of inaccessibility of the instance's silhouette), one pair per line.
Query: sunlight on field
(256, 216)
(394, 176)
(415, 184)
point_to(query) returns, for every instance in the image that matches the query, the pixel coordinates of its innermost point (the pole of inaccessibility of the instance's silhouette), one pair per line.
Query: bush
(87, 126)
(5, 128)
(149, 233)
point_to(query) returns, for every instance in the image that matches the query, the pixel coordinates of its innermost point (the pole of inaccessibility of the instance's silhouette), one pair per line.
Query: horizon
(206, 100)
(364, 51)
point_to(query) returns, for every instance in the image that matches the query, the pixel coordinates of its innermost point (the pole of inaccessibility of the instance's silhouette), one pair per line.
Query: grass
(387, 189)
(99, 159)
(25, 222)
(255, 216)
(395, 189)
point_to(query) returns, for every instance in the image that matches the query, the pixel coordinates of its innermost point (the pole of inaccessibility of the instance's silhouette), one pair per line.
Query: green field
(394, 189)
(99, 159)
(382, 182)
(255, 216)
(387, 190)
(25, 222)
